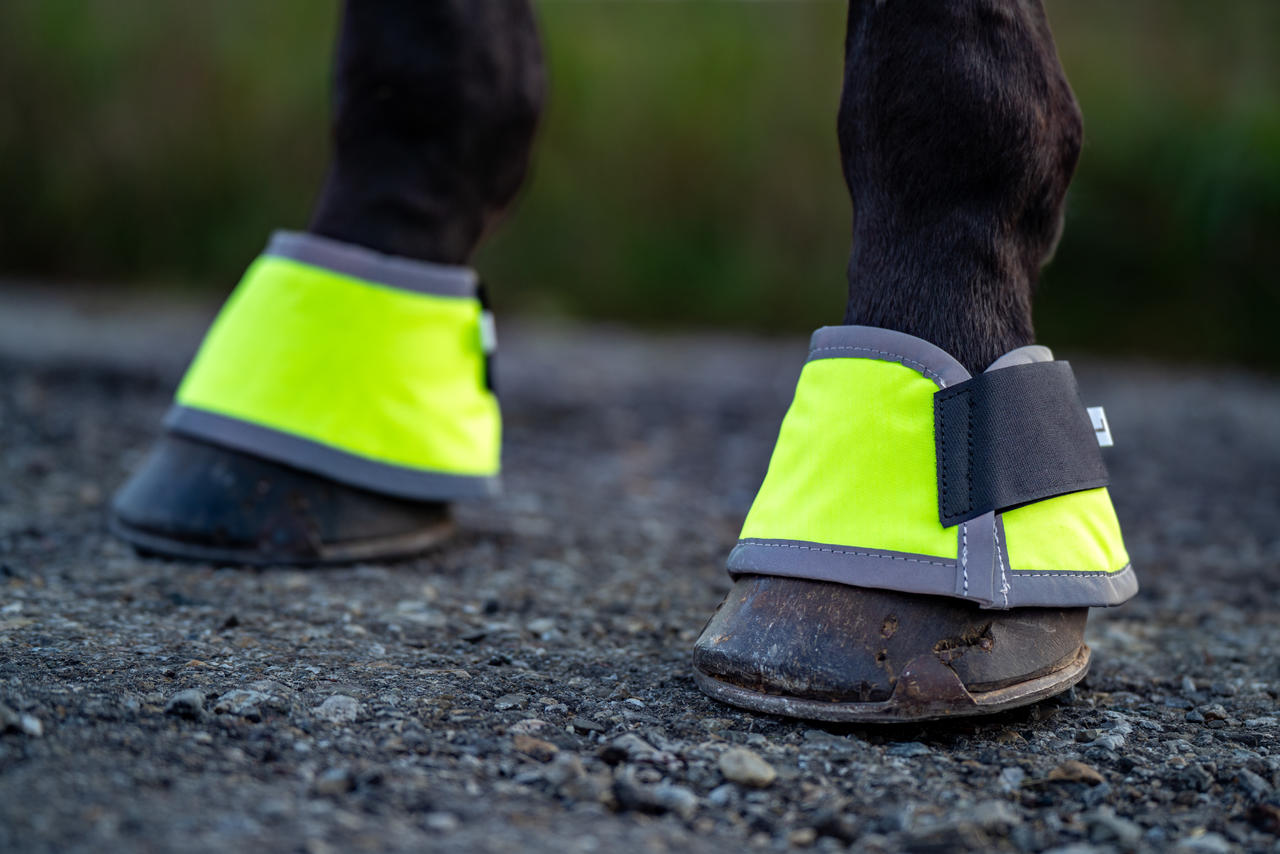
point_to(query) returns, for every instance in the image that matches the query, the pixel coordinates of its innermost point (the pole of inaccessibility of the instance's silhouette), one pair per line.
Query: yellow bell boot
(340, 400)
(925, 544)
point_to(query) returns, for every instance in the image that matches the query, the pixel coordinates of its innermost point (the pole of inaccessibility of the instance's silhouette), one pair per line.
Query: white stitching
(903, 359)
(1084, 573)
(749, 542)
(1004, 581)
(964, 555)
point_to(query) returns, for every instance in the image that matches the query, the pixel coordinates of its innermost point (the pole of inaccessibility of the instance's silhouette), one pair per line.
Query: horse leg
(434, 117)
(958, 134)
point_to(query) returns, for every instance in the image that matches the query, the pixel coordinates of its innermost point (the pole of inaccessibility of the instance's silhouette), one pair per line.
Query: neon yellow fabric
(855, 467)
(388, 374)
(1077, 532)
(854, 464)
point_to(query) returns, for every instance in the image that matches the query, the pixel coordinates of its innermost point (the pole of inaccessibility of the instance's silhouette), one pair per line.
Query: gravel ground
(528, 686)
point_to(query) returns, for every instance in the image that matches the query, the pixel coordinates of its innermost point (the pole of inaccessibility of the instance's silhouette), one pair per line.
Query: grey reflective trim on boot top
(391, 271)
(870, 342)
(979, 579)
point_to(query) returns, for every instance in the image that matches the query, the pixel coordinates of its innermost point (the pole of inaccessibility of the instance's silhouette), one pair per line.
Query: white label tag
(488, 333)
(1101, 428)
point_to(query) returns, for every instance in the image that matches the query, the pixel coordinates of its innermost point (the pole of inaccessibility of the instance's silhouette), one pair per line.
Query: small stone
(1107, 827)
(1193, 778)
(510, 701)
(907, 749)
(802, 837)
(441, 822)
(722, 795)
(536, 748)
(186, 704)
(627, 747)
(241, 702)
(1257, 787)
(528, 726)
(678, 799)
(1188, 685)
(1011, 778)
(334, 781)
(1109, 741)
(338, 709)
(1194, 717)
(1073, 771)
(30, 725)
(1214, 712)
(631, 794)
(1207, 843)
(994, 815)
(740, 765)
(586, 725)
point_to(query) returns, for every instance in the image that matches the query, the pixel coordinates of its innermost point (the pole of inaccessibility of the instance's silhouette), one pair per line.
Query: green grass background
(686, 173)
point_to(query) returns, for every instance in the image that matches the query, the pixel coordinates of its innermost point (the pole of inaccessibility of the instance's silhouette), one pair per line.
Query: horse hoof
(198, 501)
(826, 651)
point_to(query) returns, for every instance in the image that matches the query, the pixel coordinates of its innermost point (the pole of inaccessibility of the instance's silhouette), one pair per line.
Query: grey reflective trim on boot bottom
(407, 274)
(333, 463)
(870, 342)
(935, 576)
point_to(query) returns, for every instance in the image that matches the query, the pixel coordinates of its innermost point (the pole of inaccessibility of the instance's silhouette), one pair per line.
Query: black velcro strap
(1012, 436)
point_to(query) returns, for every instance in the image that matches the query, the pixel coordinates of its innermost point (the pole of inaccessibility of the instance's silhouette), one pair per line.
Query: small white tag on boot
(1101, 428)
(488, 333)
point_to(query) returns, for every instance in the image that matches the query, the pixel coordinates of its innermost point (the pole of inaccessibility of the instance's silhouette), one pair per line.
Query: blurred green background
(687, 170)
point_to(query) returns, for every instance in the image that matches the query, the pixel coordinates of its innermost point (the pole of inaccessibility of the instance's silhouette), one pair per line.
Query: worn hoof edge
(396, 547)
(926, 690)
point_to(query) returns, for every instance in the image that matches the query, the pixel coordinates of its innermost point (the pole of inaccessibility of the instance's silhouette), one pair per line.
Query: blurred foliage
(687, 171)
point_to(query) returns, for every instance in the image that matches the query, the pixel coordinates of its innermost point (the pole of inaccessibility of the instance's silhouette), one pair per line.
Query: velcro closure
(1011, 436)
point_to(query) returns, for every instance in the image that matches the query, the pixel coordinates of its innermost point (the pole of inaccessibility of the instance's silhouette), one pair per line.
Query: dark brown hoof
(198, 501)
(825, 651)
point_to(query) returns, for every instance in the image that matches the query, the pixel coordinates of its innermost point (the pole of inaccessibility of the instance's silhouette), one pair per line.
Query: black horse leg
(434, 116)
(958, 134)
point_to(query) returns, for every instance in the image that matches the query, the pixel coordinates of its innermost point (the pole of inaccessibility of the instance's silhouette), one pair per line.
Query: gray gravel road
(528, 687)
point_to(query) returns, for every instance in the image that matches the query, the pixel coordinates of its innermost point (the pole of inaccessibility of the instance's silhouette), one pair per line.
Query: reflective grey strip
(342, 466)
(868, 342)
(421, 277)
(915, 573)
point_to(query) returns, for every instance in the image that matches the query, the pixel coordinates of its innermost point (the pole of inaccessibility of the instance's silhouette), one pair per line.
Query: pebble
(441, 822)
(186, 704)
(627, 747)
(240, 701)
(1107, 827)
(536, 748)
(338, 709)
(510, 701)
(334, 781)
(741, 765)
(1257, 787)
(663, 797)
(994, 815)
(1011, 778)
(1208, 843)
(907, 749)
(1074, 771)
(586, 725)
